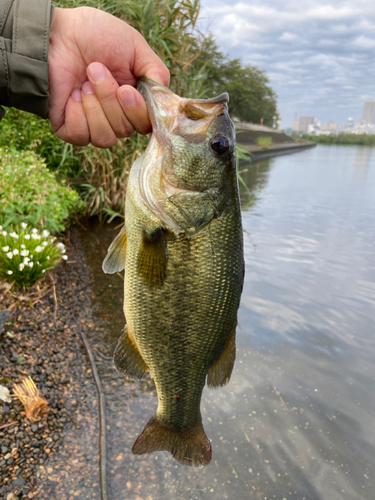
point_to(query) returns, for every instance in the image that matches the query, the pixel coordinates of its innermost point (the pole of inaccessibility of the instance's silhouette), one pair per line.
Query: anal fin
(221, 371)
(128, 359)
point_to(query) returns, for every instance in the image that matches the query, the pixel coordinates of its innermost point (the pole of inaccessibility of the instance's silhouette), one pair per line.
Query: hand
(94, 61)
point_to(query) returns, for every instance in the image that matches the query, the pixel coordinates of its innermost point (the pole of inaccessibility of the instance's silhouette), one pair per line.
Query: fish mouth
(170, 113)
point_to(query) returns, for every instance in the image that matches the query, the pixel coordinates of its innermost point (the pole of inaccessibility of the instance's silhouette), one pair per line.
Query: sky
(318, 55)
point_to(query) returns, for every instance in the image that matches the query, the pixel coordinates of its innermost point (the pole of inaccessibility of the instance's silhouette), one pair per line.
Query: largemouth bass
(182, 251)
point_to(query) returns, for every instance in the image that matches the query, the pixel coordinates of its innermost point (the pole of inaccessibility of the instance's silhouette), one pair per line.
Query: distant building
(329, 126)
(368, 112)
(304, 123)
(296, 125)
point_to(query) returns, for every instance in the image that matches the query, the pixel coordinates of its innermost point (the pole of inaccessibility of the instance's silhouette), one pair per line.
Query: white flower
(43, 271)
(45, 243)
(39, 249)
(23, 246)
(9, 272)
(4, 233)
(14, 235)
(25, 253)
(47, 257)
(26, 260)
(9, 255)
(45, 233)
(30, 264)
(6, 249)
(23, 225)
(65, 257)
(27, 236)
(21, 266)
(35, 236)
(15, 251)
(60, 245)
(34, 230)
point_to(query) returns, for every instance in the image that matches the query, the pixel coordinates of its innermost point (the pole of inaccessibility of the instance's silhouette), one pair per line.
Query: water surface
(297, 418)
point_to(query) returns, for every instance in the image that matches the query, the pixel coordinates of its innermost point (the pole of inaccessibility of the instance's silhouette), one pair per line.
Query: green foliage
(30, 193)
(349, 139)
(23, 131)
(106, 172)
(251, 97)
(25, 256)
(264, 141)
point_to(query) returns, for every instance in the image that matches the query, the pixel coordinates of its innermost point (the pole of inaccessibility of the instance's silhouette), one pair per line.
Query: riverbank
(263, 142)
(56, 457)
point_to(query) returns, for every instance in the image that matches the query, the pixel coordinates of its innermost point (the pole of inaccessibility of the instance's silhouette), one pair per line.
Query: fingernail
(76, 95)
(96, 72)
(127, 97)
(87, 88)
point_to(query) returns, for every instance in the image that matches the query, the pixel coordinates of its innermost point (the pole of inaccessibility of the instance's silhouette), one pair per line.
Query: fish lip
(144, 86)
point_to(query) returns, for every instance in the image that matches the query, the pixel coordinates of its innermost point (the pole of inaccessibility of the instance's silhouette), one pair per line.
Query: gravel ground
(56, 458)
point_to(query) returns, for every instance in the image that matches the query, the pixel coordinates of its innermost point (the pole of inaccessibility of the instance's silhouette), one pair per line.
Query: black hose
(102, 423)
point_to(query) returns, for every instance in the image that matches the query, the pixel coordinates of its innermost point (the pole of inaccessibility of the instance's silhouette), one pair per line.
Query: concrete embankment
(262, 142)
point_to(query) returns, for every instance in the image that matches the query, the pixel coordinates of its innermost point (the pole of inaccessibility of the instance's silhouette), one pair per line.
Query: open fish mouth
(170, 113)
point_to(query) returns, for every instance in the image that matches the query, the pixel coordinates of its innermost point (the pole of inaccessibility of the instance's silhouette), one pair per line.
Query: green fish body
(182, 251)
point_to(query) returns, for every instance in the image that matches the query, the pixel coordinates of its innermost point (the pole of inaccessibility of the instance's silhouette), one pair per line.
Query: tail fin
(191, 447)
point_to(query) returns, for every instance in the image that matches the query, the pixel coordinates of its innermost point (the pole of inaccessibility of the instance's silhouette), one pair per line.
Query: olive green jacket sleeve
(24, 38)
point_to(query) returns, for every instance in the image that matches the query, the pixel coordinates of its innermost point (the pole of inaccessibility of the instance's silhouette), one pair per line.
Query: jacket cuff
(23, 62)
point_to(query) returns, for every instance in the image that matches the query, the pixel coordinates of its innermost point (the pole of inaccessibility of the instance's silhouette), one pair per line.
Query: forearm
(24, 38)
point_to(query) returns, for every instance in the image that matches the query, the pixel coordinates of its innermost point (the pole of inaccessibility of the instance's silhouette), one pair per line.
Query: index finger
(147, 63)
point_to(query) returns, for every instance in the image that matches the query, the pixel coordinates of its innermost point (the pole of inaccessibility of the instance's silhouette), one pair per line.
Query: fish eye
(220, 144)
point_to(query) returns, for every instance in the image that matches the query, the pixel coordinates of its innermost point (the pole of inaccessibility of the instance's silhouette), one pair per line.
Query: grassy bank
(349, 139)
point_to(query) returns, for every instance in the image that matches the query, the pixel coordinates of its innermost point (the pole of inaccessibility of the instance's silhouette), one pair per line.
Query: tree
(251, 97)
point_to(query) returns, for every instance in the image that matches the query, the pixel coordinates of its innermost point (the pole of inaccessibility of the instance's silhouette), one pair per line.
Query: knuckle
(125, 130)
(104, 141)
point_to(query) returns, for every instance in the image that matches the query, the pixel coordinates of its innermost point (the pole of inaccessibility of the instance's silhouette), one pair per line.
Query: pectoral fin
(128, 359)
(115, 259)
(153, 257)
(221, 371)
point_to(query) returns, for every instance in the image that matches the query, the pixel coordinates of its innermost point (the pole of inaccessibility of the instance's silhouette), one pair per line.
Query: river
(297, 419)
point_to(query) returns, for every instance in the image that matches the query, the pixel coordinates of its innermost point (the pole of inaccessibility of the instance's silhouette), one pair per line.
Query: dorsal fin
(115, 259)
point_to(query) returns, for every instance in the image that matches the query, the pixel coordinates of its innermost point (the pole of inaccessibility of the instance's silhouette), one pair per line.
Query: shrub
(25, 256)
(23, 131)
(30, 193)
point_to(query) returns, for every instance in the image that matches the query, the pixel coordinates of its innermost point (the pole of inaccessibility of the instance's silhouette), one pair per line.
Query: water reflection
(296, 420)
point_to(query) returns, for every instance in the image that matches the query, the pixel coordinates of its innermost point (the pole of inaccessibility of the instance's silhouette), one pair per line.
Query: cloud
(364, 42)
(309, 49)
(288, 37)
